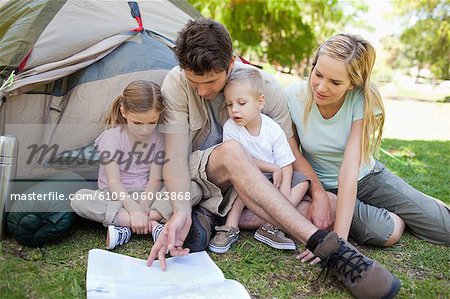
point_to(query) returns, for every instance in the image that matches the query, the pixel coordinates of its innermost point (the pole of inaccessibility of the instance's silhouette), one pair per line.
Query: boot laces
(346, 261)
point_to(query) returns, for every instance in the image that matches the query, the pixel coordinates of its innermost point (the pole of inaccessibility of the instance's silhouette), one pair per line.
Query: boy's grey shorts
(382, 191)
(297, 178)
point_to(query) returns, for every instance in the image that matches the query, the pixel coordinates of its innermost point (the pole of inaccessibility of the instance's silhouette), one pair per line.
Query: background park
(412, 39)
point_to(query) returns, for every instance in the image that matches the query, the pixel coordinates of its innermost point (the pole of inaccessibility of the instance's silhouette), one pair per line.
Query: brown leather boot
(364, 277)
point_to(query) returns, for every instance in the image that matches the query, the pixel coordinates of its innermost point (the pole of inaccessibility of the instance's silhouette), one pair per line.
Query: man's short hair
(204, 45)
(250, 75)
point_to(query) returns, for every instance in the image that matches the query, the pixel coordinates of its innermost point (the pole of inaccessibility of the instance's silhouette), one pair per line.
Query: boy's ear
(122, 111)
(261, 102)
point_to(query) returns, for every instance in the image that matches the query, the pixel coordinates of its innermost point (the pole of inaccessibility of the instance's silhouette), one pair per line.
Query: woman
(339, 116)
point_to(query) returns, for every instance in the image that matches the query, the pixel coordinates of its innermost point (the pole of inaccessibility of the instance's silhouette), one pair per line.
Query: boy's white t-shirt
(323, 141)
(270, 145)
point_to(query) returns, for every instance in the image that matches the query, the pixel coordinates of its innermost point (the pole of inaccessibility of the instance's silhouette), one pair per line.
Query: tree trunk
(419, 67)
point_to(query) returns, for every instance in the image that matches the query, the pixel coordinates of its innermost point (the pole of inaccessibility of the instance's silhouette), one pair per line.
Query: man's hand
(171, 239)
(320, 212)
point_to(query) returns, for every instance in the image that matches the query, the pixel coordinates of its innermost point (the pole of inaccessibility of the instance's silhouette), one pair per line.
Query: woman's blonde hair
(138, 96)
(359, 57)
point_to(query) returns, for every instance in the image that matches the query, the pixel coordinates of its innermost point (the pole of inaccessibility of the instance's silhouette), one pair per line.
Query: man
(194, 105)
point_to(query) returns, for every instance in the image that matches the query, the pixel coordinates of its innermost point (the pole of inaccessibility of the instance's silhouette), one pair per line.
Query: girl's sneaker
(224, 238)
(117, 235)
(156, 231)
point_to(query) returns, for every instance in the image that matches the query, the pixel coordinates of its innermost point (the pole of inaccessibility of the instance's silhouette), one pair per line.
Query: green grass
(422, 92)
(59, 270)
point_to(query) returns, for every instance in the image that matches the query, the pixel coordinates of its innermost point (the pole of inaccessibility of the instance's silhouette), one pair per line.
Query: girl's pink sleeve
(107, 144)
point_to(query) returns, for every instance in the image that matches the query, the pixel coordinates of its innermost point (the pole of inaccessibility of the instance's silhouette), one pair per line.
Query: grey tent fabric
(71, 59)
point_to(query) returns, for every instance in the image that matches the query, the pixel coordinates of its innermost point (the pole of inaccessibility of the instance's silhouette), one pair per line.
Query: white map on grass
(112, 275)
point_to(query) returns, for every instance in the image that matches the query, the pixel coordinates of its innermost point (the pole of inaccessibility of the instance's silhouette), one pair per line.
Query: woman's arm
(348, 180)
(320, 211)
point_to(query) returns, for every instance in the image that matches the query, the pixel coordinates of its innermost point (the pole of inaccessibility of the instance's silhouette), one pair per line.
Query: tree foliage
(426, 38)
(279, 32)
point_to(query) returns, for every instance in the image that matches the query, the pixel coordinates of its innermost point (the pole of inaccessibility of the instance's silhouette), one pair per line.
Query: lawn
(59, 270)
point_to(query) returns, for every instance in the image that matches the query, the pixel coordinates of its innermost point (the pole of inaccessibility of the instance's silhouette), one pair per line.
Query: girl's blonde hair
(138, 96)
(359, 57)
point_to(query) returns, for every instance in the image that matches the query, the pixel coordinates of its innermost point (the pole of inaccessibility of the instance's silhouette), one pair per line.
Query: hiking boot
(156, 231)
(272, 236)
(364, 277)
(224, 238)
(200, 232)
(117, 235)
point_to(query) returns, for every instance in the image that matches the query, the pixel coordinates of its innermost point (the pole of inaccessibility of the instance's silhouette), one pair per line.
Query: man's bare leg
(249, 221)
(230, 163)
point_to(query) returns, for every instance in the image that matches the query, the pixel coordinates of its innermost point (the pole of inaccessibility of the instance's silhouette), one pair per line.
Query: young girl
(131, 158)
(339, 116)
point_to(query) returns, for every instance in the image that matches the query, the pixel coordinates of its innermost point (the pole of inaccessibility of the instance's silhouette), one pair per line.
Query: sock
(315, 239)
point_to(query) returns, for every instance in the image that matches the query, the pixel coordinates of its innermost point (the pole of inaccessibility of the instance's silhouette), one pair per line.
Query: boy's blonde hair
(359, 57)
(251, 76)
(138, 96)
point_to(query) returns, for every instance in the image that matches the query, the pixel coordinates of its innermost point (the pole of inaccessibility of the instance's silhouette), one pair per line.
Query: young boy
(267, 143)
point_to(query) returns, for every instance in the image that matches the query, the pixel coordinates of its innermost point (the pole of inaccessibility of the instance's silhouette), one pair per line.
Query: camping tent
(71, 59)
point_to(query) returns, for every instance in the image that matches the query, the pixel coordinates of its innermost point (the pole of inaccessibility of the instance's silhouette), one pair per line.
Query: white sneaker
(117, 235)
(156, 231)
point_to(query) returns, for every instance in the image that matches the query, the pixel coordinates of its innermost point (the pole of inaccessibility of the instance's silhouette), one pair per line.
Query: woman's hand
(320, 212)
(308, 256)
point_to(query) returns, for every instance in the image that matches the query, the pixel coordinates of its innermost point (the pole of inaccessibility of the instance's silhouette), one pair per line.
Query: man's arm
(177, 180)
(176, 174)
(176, 170)
(320, 211)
